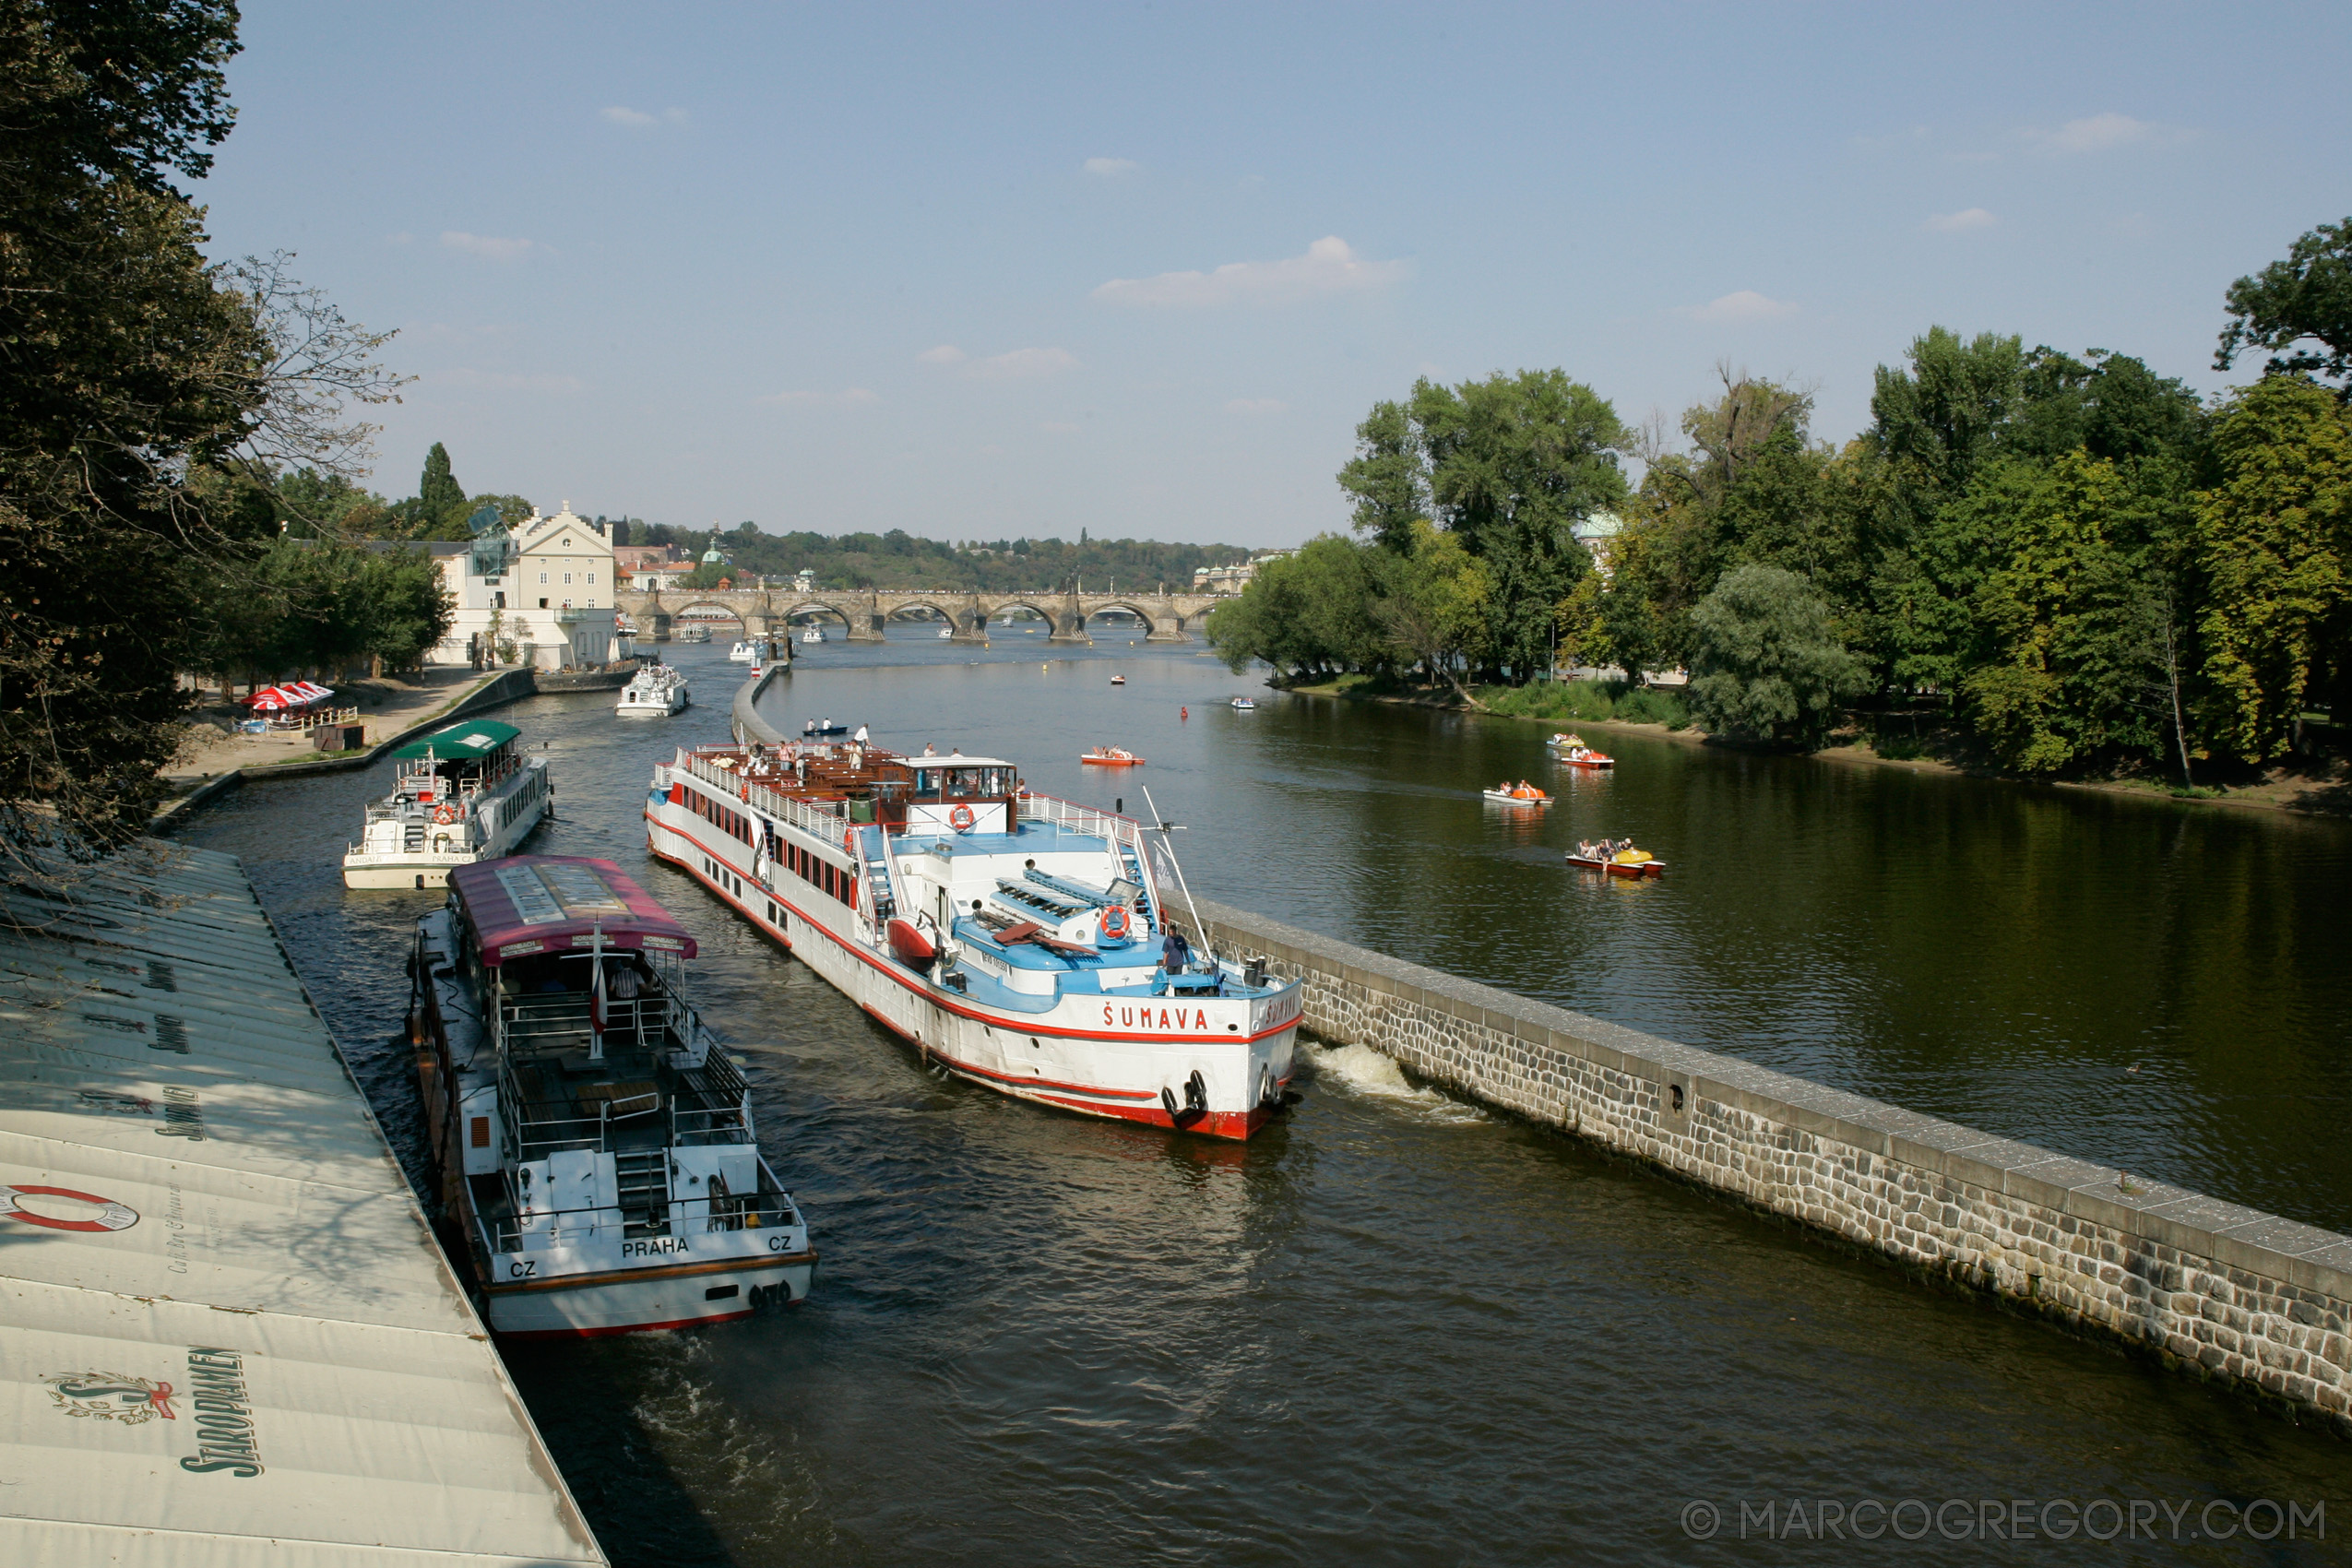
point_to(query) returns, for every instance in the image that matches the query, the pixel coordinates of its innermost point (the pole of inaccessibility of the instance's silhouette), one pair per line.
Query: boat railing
(767, 1209)
(823, 819)
(1077, 818)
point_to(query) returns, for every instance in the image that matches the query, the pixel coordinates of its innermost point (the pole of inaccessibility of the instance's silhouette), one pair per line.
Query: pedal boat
(1526, 795)
(1571, 752)
(1111, 756)
(1624, 862)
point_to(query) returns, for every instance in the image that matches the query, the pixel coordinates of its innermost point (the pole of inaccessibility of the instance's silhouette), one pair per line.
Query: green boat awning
(462, 743)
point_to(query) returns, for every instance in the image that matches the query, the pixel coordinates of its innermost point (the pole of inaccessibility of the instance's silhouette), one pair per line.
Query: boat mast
(1167, 827)
(596, 992)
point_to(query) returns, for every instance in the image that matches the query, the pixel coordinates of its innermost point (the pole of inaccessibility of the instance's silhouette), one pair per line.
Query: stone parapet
(2209, 1286)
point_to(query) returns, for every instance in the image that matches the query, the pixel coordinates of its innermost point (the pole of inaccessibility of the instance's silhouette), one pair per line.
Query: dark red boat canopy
(556, 903)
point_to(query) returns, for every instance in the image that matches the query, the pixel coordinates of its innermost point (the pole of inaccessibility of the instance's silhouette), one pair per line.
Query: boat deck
(201, 1209)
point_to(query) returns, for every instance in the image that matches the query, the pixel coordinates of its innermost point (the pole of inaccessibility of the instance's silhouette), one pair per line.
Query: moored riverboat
(465, 793)
(591, 1141)
(1018, 941)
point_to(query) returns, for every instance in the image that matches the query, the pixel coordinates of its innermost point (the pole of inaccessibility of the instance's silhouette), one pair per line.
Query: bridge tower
(1070, 620)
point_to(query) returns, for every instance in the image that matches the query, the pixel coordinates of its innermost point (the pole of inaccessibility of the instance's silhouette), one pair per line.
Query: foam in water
(1368, 1071)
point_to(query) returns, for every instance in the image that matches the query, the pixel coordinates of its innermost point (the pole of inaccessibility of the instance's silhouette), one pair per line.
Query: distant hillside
(900, 560)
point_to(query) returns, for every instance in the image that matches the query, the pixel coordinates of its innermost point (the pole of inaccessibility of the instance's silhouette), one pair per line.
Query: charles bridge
(764, 613)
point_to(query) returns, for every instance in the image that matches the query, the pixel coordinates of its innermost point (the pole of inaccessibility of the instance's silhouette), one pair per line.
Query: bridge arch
(1152, 626)
(705, 603)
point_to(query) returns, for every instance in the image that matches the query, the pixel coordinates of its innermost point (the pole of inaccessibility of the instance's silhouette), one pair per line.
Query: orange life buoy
(961, 819)
(444, 813)
(1114, 923)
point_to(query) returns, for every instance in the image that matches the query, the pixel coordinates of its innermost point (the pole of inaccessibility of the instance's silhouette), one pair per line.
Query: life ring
(961, 819)
(111, 1216)
(1114, 923)
(444, 813)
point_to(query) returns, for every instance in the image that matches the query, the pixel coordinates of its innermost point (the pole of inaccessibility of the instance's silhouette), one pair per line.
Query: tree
(2307, 296)
(129, 365)
(1439, 606)
(439, 510)
(1388, 478)
(2275, 538)
(1767, 664)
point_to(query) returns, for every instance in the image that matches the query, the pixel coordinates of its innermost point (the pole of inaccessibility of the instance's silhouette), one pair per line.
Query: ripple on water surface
(1398, 1328)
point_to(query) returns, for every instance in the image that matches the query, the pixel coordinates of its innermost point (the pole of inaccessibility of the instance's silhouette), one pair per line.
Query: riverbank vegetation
(148, 400)
(2050, 564)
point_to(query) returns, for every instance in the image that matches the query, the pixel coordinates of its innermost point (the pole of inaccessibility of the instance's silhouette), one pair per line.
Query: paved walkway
(388, 706)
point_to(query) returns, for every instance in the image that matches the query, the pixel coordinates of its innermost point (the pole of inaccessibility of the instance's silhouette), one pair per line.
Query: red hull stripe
(625, 1328)
(994, 1020)
(978, 1072)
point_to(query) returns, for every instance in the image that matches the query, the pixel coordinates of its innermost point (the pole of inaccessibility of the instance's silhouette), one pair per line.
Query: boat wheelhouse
(594, 1144)
(465, 793)
(655, 691)
(1017, 940)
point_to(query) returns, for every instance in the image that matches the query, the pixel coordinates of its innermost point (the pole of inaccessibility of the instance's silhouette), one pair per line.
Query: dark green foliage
(1309, 615)
(1767, 664)
(2306, 297)
(126, 364)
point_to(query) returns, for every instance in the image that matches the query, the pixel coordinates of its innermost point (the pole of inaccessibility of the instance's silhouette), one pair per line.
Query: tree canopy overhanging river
(1398, 1328)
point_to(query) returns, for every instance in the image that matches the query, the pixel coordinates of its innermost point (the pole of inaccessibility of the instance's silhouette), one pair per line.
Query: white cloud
(1110, 168)
(1960, 222)
(854, 395)
(487, 246)
(1330, 267)
(1745, 305)
(1022, 365)
(620, 114)
(946, 353)
(1256, 407)
(2098, 132)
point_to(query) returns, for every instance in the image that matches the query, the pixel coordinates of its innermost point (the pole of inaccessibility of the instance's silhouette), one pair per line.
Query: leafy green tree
(2307, 297)
(440, 498)
(311, 503)
(1439, 609)
(1308, 615)
(128, 364)
(1388, 477)
(404, 611)
(2275, 541)
(1767, 664)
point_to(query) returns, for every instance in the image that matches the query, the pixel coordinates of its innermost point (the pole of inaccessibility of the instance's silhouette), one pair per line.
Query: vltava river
(1398, 1328)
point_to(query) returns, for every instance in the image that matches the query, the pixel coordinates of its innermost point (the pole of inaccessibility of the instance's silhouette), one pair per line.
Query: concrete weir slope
(227, 1333)
(2232, 1292)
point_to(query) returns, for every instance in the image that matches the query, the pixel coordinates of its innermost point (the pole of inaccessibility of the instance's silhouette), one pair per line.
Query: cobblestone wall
(2232, 1292)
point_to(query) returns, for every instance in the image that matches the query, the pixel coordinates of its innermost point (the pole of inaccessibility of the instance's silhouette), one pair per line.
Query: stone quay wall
(2230, 1292)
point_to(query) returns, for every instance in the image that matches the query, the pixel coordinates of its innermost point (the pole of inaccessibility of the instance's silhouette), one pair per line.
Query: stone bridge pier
(863, 612)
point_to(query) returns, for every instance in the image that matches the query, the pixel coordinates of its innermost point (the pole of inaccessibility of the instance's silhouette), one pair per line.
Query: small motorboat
(1112, 756)
(827, 727)
(1616, 859)
(1119, 679)
(1572, 752)
(945, 632)
(1520, 794)
(744, 651)
(814, 635)
(1246, 705)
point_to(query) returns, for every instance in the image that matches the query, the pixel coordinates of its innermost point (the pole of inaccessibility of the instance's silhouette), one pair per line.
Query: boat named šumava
(656, 691)
(1019, 941)
(462, 794)
(591, 1139)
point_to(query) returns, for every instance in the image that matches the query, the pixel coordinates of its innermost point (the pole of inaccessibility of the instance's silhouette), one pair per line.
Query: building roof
(462, 743)
(526, 904)
(231, 1333)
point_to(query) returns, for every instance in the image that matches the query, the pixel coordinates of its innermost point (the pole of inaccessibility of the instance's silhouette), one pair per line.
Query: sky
(978, 272)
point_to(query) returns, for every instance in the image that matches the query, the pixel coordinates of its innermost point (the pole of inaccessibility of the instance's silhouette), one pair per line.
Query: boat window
(922, 781)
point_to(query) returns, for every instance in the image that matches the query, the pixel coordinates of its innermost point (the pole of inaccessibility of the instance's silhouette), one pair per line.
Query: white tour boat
(592, 1142)
(812, 634)
(655, 691)
(744, 651)
(1014, 938)
(689, 633)
(463, 794)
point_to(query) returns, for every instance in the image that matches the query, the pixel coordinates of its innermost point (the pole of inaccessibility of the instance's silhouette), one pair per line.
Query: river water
(1398, 1328)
